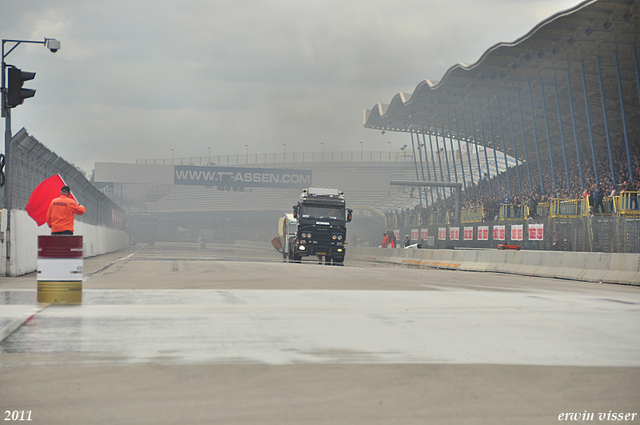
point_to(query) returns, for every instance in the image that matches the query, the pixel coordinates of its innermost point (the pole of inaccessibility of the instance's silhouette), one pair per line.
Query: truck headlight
(334, 237)
(301, 248)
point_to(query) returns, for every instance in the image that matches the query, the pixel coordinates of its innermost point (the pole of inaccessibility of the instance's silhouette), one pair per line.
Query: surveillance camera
(53, 45)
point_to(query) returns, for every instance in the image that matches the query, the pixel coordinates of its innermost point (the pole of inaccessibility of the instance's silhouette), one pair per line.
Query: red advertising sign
(516, 232)
(468, 233)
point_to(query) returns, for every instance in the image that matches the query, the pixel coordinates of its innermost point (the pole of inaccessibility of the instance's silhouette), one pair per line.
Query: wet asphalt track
(182, 306)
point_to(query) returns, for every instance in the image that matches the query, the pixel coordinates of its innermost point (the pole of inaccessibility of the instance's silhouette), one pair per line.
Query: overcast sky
(137, 78)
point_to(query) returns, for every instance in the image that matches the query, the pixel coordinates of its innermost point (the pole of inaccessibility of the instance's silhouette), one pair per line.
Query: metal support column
(446, 155)
(624, 117)
(493, 146)
(535, 138)
(524, 141)
(416, 165)
(466, 142)
(426, 161)
(564, 150)
(515, 149)
(546, 121)
(464, 178)
(433, 160)
(475, 142)
(606, 123)
(586, 106)
(453, 152)
(635, 65)
(486, 157)
(504, 148)
(575, 129)
(435, 130)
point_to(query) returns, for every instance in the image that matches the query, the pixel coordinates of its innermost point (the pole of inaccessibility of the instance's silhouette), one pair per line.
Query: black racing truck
(322, 226)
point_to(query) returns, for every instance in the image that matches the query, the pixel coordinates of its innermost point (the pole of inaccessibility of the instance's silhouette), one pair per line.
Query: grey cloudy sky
(136, 78)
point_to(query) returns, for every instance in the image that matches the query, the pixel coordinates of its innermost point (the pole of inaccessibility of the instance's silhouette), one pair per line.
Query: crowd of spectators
(485, 196)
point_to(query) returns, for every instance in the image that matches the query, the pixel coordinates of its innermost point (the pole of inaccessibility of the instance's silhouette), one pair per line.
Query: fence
(32, 162)
(286, 157)
(585, 234)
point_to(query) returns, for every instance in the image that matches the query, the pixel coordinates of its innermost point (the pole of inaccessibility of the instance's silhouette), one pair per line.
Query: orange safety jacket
(60, 214)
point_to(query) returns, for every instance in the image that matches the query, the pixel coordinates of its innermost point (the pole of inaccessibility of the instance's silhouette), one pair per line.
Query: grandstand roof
(594, 43)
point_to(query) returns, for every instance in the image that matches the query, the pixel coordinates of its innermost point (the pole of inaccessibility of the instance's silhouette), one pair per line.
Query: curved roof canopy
(534, 89)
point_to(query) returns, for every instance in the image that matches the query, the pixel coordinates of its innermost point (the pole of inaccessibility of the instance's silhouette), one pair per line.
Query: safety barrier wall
(583, 266)
(97, 240)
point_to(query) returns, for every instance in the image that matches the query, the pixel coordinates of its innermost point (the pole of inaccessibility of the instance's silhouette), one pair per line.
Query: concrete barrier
(623, 268)
(24, 242)
(531, 261)
(584, 266)
(596, 266)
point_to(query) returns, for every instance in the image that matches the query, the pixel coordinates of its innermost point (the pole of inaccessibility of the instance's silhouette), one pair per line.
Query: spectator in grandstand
(61, 213)
(598, 195)
(407, 241)
(633, 196)
(532, 203)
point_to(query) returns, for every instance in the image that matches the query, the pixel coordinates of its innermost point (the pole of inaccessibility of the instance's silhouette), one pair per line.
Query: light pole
(361, 151)
(209, 147)
(172, 156)
(284, 159)
(247, 157)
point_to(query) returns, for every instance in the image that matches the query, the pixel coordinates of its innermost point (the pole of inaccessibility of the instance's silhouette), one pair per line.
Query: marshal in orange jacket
(60, 215)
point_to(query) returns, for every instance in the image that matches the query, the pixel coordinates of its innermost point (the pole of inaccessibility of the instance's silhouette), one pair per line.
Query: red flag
(42, 196)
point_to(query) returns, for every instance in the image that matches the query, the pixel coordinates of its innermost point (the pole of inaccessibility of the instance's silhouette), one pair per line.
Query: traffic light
(15, 93)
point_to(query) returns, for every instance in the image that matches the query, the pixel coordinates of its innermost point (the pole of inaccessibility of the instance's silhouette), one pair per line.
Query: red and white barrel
(60, 265)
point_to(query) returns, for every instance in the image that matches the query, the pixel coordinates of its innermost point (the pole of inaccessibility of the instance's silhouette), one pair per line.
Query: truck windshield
(312, 211)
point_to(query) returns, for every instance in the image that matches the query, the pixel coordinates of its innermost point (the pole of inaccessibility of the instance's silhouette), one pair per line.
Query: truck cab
(321, 231)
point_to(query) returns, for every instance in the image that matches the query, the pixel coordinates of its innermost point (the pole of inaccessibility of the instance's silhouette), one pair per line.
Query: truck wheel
(338, 261)
(294, 258)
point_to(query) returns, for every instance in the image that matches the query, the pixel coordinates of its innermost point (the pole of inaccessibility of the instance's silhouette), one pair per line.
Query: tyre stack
(60, 265)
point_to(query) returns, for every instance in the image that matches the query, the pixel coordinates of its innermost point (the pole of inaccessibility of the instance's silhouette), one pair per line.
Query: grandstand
(564, 102)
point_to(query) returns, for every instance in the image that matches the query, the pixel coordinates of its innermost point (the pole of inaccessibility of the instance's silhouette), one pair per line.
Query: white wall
(24, 242)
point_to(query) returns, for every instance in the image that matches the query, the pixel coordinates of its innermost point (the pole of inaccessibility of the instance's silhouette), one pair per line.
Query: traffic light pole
(6, 113)
(54, 46)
